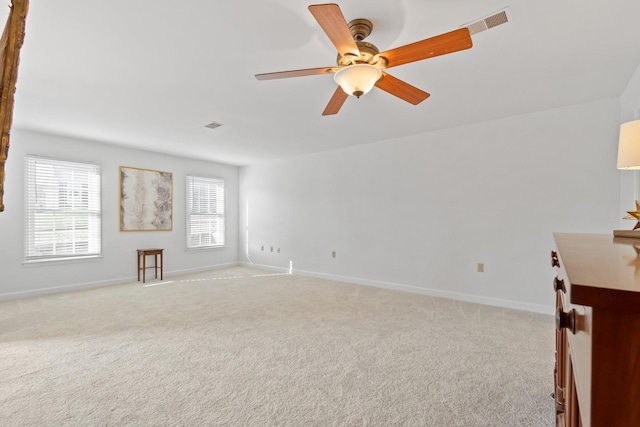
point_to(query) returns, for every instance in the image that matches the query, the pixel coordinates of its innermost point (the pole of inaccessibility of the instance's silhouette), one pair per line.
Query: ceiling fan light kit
(360, 64)
(357, 79)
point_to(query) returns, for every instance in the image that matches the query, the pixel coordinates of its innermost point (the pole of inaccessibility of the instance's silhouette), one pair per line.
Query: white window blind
(205, 212)
(62, 209)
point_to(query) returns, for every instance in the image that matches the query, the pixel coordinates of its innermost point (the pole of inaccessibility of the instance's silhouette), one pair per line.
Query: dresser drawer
(580, 345)
(579, 340)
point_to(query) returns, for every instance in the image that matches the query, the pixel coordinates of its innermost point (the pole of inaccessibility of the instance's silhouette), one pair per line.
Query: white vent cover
(498, 18)
(213, 125)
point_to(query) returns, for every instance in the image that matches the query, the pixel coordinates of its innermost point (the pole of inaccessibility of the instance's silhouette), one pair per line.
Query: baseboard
(497, 302)
(201, 269)
(458, 296)
(65, 288)
(266, 267)
(101, 283)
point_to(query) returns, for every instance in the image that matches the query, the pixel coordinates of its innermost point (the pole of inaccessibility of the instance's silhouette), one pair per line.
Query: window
(205, 212)
(62, 209)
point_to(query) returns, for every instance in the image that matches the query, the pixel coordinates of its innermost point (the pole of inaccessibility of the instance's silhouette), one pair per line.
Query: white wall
(118, 262)
(419, 213)
(630, 98)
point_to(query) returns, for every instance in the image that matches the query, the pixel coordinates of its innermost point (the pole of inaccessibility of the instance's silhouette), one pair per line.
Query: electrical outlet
(333, 254)
(271, 248)
(480, 267)
(262, 248)
(278, 250)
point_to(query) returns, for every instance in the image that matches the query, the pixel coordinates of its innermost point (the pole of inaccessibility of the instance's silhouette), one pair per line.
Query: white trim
(101, 283)
(62, 260)
(64, 288)
(266, 267)
(201, 269)
(496, 302)
(204, 248)
(458, 296)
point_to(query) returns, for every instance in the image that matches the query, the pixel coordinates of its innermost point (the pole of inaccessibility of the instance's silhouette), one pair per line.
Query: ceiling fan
(360, 65)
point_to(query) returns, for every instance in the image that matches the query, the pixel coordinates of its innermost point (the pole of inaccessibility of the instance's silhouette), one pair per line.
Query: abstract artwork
(145, 200)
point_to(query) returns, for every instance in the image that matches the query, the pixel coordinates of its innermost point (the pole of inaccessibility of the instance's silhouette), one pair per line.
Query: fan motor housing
(368, 55)
(360, 29)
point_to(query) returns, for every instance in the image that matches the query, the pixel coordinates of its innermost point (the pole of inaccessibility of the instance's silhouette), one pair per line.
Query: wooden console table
(142, 266)
(597, 375)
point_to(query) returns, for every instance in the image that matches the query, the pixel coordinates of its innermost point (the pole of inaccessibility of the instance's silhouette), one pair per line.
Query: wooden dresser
(597, 374)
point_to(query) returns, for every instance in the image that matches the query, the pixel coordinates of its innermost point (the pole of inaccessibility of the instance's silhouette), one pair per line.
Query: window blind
(63, 217)
(205, 212)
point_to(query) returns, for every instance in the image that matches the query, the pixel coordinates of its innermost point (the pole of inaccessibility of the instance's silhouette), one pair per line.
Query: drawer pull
(566, 320)
(554, 259)
(558, 285)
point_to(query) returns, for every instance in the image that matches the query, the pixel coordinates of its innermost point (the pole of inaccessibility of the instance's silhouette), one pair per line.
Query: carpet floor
(245, 347)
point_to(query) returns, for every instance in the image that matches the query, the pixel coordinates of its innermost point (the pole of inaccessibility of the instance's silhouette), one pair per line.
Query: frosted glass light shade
(357, 79)
(629, 145)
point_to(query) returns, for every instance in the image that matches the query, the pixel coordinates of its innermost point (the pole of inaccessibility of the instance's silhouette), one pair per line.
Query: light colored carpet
(244, 347)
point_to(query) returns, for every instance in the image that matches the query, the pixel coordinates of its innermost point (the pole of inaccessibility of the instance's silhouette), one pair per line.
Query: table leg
(138, 267)
(144, 266)
(161, 265)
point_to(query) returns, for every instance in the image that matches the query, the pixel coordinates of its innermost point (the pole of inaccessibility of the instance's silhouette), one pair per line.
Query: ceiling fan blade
(401, 89)
(335, 103)
(332, 21)
(428, 48)
(296, 73)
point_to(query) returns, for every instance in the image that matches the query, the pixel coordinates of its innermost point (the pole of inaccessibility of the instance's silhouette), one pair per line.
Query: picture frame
(146, 200)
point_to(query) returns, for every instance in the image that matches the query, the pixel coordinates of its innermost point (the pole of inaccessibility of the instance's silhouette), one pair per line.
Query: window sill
(69, 260)
(204, 248)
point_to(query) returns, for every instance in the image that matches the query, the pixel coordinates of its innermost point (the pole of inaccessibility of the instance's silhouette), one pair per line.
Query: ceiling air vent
(498, 18)
(213, 125)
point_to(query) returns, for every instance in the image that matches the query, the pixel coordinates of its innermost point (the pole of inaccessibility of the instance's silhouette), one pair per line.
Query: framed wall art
(146, 200)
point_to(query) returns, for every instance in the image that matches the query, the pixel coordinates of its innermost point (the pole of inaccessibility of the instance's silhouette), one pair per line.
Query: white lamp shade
(357, 79)
(629, 145)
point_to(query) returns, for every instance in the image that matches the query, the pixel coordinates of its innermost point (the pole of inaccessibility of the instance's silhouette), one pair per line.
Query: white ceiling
(152, 73)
